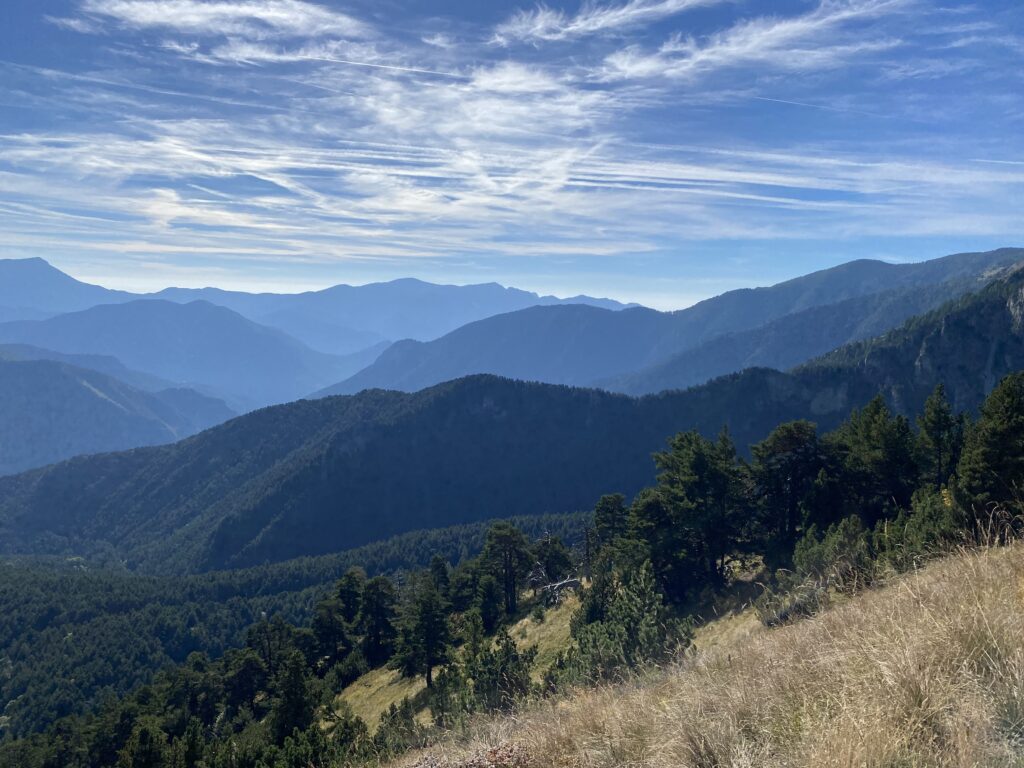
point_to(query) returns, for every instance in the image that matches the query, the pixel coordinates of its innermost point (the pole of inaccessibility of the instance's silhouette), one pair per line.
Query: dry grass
(550, 636)
(373, 693)
(928, 671)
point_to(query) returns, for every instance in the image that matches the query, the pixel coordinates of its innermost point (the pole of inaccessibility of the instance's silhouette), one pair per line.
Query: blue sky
(651, 150)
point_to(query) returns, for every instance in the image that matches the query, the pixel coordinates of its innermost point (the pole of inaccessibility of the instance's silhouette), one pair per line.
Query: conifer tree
(294, 703)
(507, 555)
(425, 641)
(940, 438)
(991, 470)
(377, 620)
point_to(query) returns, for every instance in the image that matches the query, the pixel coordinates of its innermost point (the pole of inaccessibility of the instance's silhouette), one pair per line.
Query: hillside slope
(50, 411)
(791, 340)
(105, 364)
(323, 475)
(197, 345)
(584, 346)
(926, 671)
(31, 289)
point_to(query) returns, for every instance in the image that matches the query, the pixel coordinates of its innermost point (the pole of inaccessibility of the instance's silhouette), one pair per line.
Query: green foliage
(843, 555)
(72, 633)
(637, 630)
(992, 468)
(790, 490)
(425, 639)
(939, 439)
(879, 470)
(693, 519)
(506, 556)
(501, 674)
(295, 702)
(489, 604)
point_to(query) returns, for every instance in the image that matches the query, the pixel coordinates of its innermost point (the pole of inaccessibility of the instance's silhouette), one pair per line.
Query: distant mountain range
(50, 411)
(640, 350)
(346, 318)
(198, 345)
(339, 320)
(319, 476)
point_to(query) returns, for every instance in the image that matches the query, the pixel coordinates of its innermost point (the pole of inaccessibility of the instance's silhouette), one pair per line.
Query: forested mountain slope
(584, 346)
(791, 340)
(125, 626)
(105, 364)
(319, 476)
(50, 411)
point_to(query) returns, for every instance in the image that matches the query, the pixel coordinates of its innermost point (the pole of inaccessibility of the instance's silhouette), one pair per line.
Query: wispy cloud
(247, 133)
(548, 24)
(254, 19)
(804, 42)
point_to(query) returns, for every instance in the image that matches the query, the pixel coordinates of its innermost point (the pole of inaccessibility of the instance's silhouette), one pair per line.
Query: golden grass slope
(928, 671)
(372, 694)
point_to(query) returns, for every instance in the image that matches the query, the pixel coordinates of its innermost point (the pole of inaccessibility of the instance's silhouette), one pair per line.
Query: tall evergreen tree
(507, 555)
(426, 636)
(147, 747)
(784, 473)
(879, 467)
(991, 470)
(439, 572)
(489, 602)
(611, 518)
(294, 703)
(350, 593)
(940, 438)
(377, 620)
(698, 507)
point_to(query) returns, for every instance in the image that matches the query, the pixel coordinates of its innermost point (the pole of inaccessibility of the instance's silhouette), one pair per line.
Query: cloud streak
(253, 19)
(800, 43)
(545, 24)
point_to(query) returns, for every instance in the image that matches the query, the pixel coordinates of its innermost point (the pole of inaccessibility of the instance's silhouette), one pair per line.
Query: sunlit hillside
(928, 670)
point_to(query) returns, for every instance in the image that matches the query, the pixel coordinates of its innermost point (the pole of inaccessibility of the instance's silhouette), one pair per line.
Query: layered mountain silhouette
(104, 364)
(339, 320)
(640, 350)
(197, 345)
(50, 411)
(347, 318)
(32, 289)
(319, 476)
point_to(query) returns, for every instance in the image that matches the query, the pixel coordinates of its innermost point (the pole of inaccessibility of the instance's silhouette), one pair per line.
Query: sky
(658, 151)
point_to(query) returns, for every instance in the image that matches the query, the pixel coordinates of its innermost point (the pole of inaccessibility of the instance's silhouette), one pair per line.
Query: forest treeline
(74, 632)
(807, 514)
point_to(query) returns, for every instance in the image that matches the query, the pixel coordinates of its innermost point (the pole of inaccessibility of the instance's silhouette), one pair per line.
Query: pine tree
(991, 470)
(695, 518)
(611, 518)
(489, 602)
(784, 472)
(507, 555)
(877, 451)
(377, 620)
(425, 640)
(294, 703)
(940, 438)
(350, 593)
(439, 573)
